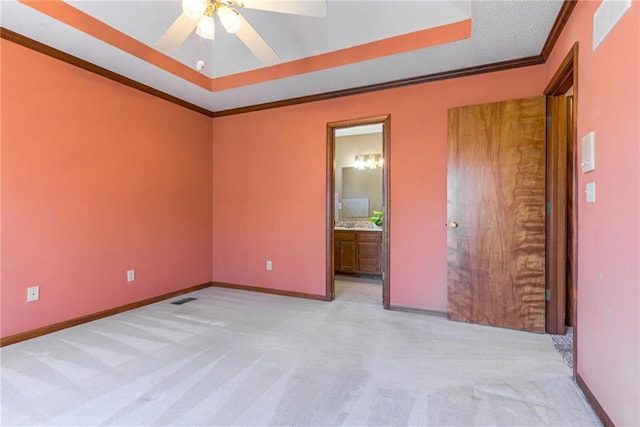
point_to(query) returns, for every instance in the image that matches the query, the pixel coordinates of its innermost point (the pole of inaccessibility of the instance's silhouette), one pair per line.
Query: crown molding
(461, 72)
(561, 20)
(37, 46)
(558, 26)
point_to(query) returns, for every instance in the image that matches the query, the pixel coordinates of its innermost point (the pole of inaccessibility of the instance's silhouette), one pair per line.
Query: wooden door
(496, 214)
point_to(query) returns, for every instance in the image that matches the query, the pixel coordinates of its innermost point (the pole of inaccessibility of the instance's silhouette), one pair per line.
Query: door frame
(565, 77)
(385, 121)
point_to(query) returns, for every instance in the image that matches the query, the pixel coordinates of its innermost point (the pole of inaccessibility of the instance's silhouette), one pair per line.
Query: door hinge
(548, 208)
(548, 294)
(548, 121)
(383, 275)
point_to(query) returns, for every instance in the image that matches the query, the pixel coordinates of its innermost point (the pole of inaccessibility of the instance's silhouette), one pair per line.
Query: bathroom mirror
(361, 192)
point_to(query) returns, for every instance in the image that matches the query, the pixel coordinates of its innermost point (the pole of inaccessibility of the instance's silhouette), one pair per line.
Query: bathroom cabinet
(344, 251)
(357, 251)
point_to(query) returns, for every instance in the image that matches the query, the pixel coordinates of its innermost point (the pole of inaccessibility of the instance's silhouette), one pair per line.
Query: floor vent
(184, 300)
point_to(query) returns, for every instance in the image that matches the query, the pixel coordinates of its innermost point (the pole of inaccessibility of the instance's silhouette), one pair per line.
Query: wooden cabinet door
(344, 251)
(347, 256)
(368, 265)
(496, 214)
(369, 252)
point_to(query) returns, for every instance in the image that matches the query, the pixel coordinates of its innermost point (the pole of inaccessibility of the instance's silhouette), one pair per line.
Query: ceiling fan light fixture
(206, 28)
(230, 19)
(194, 9)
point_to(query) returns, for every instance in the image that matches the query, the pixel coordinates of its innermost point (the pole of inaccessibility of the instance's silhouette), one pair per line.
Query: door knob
(453, 224)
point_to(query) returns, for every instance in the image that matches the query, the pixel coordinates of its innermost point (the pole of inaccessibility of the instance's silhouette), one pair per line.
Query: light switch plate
(591, 192)
(588, 163)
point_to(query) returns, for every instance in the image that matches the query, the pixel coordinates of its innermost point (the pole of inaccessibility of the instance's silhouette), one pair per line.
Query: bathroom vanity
(357, 250)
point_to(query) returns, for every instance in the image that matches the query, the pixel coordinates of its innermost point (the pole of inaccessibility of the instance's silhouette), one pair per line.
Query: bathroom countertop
(357, 229)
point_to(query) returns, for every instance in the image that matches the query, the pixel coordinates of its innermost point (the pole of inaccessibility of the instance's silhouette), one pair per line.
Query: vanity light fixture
(368, 161)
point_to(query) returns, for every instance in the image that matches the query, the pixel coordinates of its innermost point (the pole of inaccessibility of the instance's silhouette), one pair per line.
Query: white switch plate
(591, 192)
(131, 275)
(269, 265)
(33, 293)
(588, 152)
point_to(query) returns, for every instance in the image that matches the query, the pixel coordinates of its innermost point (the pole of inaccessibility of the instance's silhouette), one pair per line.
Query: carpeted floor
(242, 358)
(359, 290)
(564, 345)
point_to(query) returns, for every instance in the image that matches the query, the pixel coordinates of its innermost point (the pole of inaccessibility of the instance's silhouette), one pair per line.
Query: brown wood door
(496, 214)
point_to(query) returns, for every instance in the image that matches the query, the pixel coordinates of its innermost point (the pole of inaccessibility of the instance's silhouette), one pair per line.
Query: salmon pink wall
(269, 185)
(97, 178)
(608, 231)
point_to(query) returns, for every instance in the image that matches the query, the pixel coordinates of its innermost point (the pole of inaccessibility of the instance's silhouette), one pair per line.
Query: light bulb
(194, 9)
(206, 28)
(369, 162)
(230, 19)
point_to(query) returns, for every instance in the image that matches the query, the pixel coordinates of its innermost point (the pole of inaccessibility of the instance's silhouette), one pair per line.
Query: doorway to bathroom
(358, 211)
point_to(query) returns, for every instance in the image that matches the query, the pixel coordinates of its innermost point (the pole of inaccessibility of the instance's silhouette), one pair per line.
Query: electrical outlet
(33, 293)
(131, 275)
(269, 265)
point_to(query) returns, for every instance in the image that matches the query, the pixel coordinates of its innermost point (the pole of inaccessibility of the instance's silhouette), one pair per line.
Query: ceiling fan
(200, 15)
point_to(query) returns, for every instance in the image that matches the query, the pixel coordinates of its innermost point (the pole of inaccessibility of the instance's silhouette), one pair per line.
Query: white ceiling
(501, 30)
(358, 130)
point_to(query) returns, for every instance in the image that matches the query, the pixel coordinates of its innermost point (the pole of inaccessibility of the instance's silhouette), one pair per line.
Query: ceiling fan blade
(257, 44)
(177, 33)
(316, 8)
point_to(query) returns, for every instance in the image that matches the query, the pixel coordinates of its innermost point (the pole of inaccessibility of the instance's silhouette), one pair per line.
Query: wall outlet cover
(33, 293)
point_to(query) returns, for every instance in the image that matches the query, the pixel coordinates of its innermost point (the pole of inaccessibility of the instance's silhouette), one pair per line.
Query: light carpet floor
(241, 358)
(359, 291)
